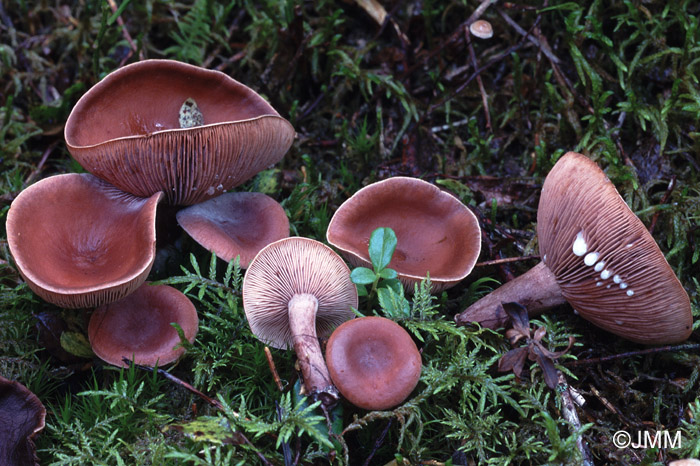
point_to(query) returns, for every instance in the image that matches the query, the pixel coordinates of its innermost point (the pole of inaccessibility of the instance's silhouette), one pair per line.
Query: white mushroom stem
(536, 289)
(302, 324)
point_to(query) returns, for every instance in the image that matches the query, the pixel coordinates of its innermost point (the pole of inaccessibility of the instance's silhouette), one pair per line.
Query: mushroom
(436, 233)
(22, 417)
(481, 29)
(128, 129)
(80, 242)
(374, 362)
(235, 224)
(295, 290)
(598, 256)
(139, 327)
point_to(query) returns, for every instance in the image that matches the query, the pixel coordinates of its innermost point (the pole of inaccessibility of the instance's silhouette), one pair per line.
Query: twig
(215, 403)
(125, 32)
(664, 200)
(273, 369)
(479, 81)
(378, 443)
(505, 260)
(568, 410)
(660, 349)
(543, 47)
(41, 163)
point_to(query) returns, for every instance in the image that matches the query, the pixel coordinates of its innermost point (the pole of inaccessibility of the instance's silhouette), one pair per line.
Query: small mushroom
(294, 291)
(436, 233)
(22, 417)
(598, 256)
(374, 362)
(235, 224)
(127, 129)
(79, 241)
(481, 29)
(139, 327)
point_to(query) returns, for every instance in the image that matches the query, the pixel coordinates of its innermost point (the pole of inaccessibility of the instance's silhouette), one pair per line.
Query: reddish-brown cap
(374, 362)
(436, 233)
(22, 416)
(79, 241)
(607, 264)
(235, 224)
(290, 267)
(126, 130)
(481, 29)
(138, 326)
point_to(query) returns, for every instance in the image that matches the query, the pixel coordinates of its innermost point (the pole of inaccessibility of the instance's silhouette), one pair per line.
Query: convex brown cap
(436, 233)
(79, 241)
(235, 224)
(295, 290)
(374, 362)
(606, 263)
(22, 417)
(126, 130)
(481, 29)
(138, 327)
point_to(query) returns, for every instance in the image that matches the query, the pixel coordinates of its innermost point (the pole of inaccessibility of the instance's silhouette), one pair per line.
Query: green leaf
(76, 343)
(382, 244)
(362, 276)
(388, 274)
(214, 430)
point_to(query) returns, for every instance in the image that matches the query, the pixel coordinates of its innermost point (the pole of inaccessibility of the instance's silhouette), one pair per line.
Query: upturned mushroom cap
(606, 263)
(22, 417)
(79, 241)
(295, 266)
(436, 233)
(138, 326)
(235, 224)
(126, 130)
(374, 362)
(481, 29)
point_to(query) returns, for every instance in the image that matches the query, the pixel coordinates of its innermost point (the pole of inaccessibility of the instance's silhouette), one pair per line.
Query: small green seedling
(382, 243)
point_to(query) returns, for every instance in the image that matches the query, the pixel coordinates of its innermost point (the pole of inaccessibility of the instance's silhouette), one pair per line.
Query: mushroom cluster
(150, 131)
(598, 256)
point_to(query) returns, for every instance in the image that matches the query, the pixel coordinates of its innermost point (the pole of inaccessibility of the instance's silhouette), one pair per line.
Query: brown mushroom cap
(295, 266)
(80, 242)
(138, 326)
(374, 362)
(481, 29)
(606, 263)
(235, 224)
(126, 130)
(436, 233)
(22, 416)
